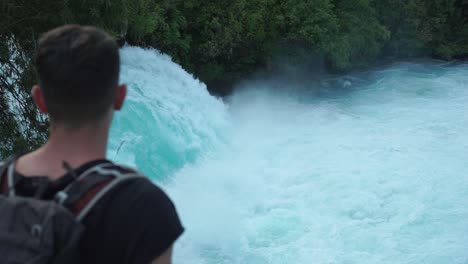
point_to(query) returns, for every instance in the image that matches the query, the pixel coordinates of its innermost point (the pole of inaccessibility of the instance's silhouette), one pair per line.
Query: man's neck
(74, 147)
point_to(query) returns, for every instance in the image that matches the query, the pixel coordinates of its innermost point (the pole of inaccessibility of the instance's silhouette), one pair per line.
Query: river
(368, 168)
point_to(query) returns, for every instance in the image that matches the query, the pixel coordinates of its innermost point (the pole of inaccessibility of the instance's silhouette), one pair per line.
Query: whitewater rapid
(370, 168)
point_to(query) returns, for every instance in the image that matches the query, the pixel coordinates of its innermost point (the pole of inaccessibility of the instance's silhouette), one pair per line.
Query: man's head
(78, 70)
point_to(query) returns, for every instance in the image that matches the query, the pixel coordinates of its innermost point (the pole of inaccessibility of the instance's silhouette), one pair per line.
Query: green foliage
(312, 21)
(167, 31)
(407, 22)
(437, 27)
(449, 24)
(228, 38)
(360, 36)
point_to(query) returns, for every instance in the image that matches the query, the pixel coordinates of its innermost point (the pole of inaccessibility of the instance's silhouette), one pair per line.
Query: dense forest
(223, 41)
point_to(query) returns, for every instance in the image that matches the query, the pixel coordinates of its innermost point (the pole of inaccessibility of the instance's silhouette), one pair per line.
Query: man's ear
(38, 98)
(120, 96)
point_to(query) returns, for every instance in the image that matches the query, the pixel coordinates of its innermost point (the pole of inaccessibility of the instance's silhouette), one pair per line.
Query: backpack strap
(7, 168)
(91, 186)
(105, 189)
(3, 184)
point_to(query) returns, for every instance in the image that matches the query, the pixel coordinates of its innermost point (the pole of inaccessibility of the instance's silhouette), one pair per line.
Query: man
(78, 71)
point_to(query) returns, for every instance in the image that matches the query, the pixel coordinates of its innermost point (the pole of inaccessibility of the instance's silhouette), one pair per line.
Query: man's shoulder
(136, 196)
(140, 192)
(137, 218)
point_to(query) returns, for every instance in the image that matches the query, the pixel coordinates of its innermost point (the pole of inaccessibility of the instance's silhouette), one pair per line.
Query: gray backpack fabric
(34, 231)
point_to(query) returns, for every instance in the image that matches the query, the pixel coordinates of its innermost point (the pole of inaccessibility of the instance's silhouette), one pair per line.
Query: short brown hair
(78, 70)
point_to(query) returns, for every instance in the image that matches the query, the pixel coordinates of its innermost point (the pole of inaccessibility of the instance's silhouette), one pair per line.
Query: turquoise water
(369, 168)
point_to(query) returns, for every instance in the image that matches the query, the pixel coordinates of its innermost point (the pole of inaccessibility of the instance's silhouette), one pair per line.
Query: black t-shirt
(134, 223)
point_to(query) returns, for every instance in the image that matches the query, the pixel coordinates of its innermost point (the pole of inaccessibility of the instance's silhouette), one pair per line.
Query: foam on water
(374, 174)
(169, 119)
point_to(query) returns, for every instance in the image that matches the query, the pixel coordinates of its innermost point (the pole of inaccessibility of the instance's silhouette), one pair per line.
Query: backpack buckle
(61, 197)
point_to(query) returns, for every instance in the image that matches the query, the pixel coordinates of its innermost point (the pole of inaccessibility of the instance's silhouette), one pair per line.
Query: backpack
(35, 231)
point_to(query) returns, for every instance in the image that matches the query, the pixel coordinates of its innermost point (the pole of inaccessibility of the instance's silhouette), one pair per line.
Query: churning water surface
(369, 168)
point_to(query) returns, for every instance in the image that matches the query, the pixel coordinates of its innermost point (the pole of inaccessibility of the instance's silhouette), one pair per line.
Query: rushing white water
(373, 172)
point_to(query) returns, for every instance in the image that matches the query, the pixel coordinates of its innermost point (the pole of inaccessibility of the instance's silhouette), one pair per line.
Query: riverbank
(225, 42)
